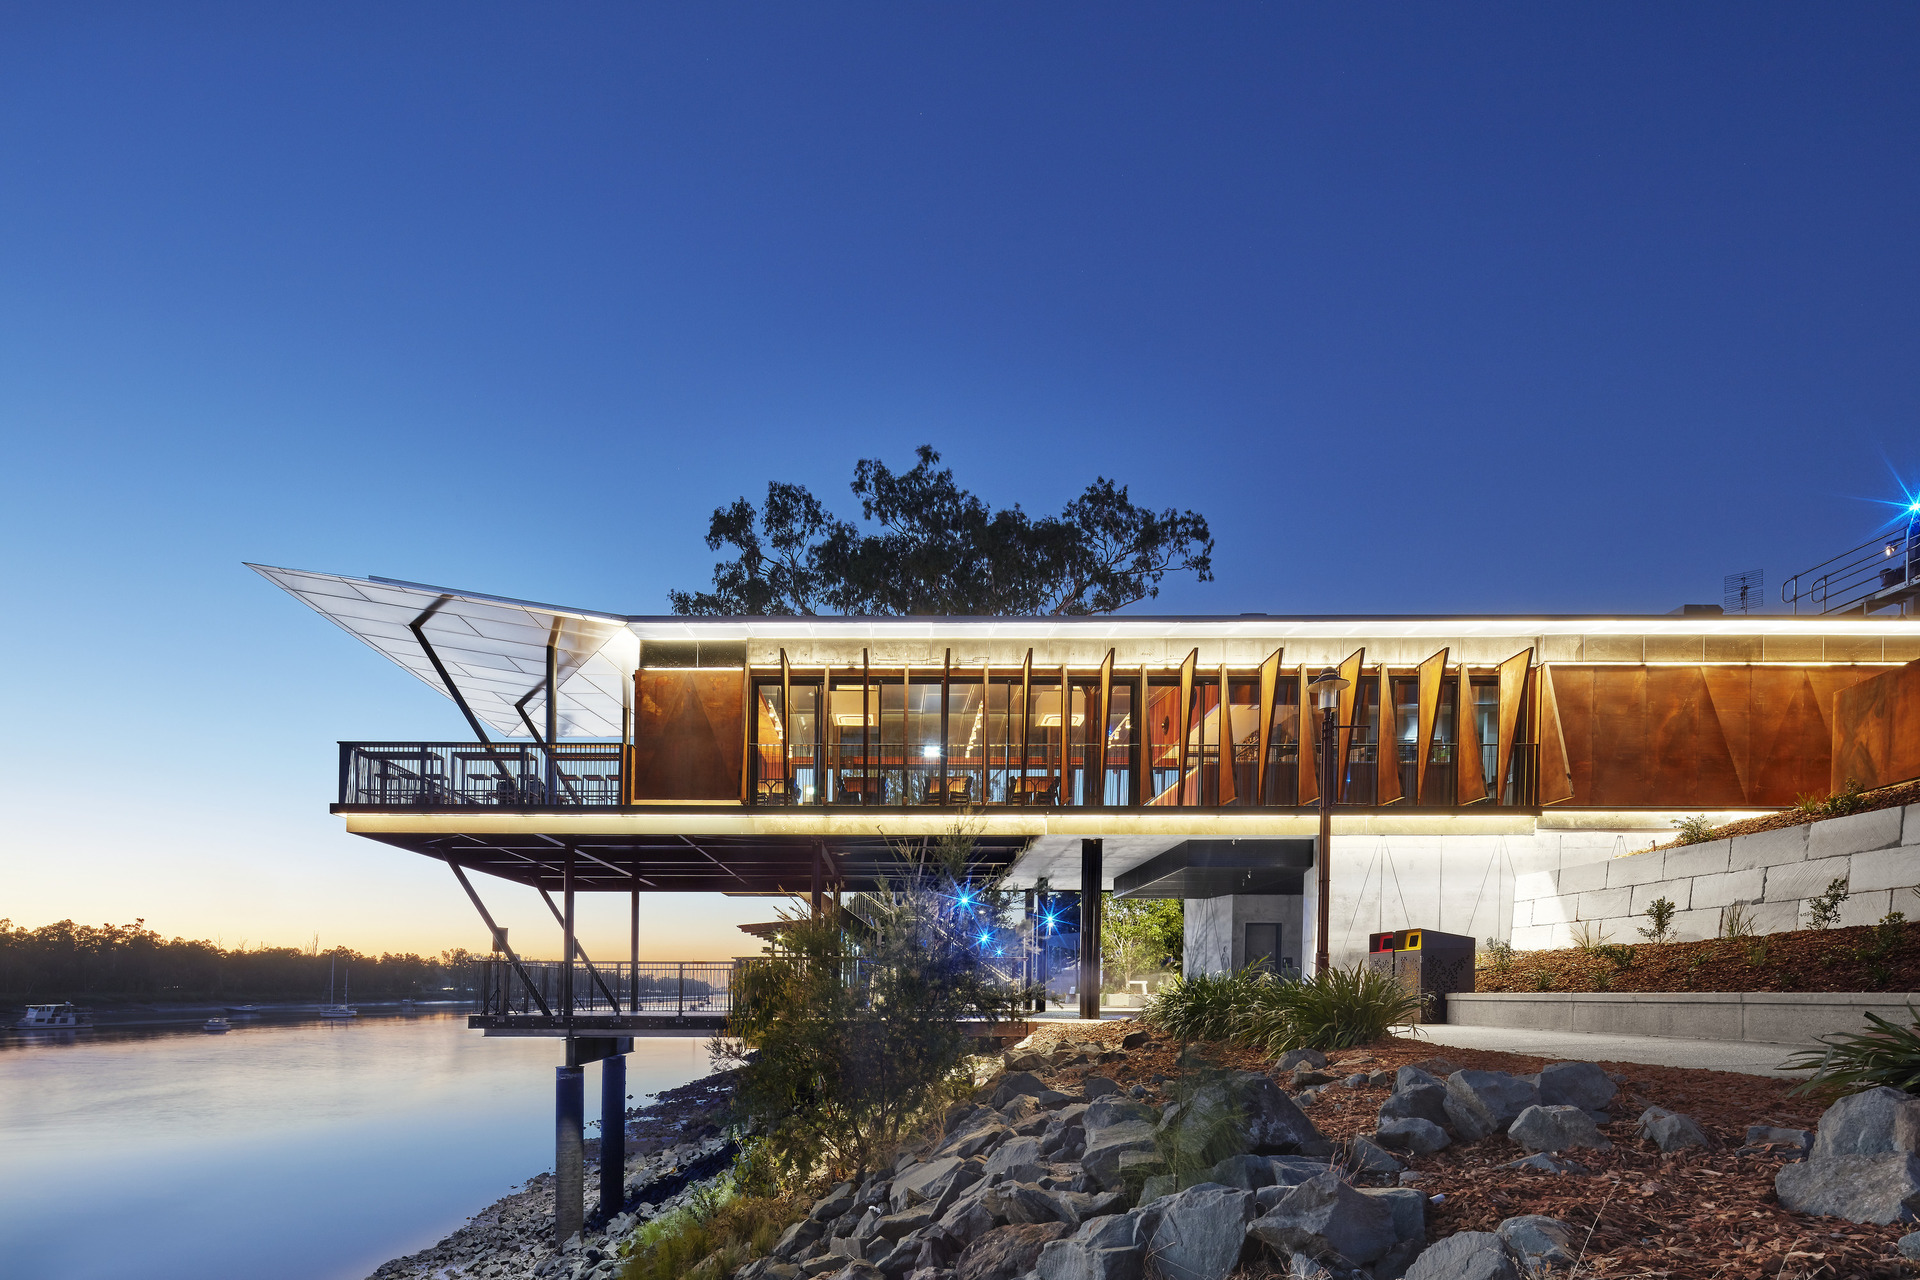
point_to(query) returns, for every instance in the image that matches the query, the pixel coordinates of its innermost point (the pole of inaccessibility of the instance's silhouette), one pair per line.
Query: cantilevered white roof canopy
(494, 650)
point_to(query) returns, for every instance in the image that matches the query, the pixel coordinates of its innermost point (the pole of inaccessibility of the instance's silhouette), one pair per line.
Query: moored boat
(217, 1025)
(55, 1017)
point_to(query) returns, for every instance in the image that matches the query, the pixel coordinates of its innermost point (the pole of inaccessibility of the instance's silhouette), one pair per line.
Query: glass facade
(958, 737)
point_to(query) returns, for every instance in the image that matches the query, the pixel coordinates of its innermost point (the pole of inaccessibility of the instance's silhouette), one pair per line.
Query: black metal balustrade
(463, 774)
(667, 988)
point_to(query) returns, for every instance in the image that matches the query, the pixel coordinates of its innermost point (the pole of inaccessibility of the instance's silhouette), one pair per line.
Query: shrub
(1884, 1054)
(1200, 1007)
(1498, 955)
(1589, 937)
(1824, 911)
(1850, 798)
(837, 1055)
(1660, 913)
(1737, 921)
(721, 1230)
(1694, 830)
(1337, 1009)
(1620, 957)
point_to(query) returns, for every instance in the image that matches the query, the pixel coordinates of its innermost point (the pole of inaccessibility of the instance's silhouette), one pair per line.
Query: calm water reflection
(310, 1151)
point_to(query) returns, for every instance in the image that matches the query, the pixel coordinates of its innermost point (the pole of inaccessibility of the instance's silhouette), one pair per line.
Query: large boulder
(1416, 1096)
(1409, 1209)
(1576, 1084)
(1556, 1128)
(1325, 1216)
(1201, 1232)
(1293, 1058)
(833, 1204)
(1015, 1158)
(1411, 1134)
(1880, 1188)
(1538, 1242)
(1116, 1129)
(1007, 1251)
(1015, 1083)
(1485, 1102)
(1367, 1156)
(932, 1182)
(1465, 1255)
(976, 1137)
(1670, 1130)
(1868, 1123)
(1243, 1112)
(1109, 1248)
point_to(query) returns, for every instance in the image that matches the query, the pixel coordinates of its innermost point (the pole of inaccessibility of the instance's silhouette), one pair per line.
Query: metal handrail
(1849, 580)
(470, 774)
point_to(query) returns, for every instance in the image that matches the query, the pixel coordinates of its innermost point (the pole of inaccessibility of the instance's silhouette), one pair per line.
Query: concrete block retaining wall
(1772, 874)
(1764, 1017)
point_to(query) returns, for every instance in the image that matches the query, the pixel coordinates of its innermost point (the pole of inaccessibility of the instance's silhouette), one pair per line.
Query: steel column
(613, 1134)
(1323, 855)
(569, 1171)
(553, 711)
(1090, 877)
(633, 957)
(566, 945)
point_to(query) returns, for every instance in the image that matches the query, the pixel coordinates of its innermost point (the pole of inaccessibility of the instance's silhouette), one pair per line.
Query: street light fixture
(1326, 688)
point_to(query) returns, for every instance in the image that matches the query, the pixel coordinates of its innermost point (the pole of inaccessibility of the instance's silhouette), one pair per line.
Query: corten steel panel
(1430, 675)
(1729, 691)
(1186, 721)
(1225, 767)
(1573, 699)
(1349, 699)
(746, 739)
(1309, 789)
(1269, 689)
(1513, 687)
(1791, 744)
(1470, 780)
(1691, 760)
(690, 735)
(1555, 782)
(1876, 730)
(1386, 743)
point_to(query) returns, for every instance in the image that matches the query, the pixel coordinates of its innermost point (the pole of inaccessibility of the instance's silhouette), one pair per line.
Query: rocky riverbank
(674, 1147)
(1098, 1155)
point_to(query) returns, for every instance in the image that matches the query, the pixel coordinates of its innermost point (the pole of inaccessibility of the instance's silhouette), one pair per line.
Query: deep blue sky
(1429, 309)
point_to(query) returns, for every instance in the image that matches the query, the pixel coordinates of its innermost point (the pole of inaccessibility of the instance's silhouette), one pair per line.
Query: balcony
(459, 775)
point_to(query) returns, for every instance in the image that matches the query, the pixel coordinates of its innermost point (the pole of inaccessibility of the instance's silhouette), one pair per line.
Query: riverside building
(1154, 756)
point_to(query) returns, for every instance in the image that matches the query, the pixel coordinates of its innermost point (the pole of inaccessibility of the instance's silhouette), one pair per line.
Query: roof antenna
(1743, 592)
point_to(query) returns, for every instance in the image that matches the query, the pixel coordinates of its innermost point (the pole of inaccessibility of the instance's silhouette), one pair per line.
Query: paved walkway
(1657, 1051)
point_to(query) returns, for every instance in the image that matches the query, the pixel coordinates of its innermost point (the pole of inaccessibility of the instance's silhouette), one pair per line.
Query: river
(292, 1149)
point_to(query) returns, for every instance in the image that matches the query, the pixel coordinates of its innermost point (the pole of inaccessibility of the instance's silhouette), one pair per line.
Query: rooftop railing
(441, 775)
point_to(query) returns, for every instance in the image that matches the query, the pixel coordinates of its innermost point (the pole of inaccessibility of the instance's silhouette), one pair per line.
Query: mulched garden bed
(1863, 958)
(1881, 798)
(1693, 1215)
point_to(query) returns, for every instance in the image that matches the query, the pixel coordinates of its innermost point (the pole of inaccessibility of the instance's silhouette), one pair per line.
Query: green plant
(1758, 954)
(1824, 911)
(1140, 936)
(1660, 914)
(1337, 1009)
(1589, 936)
(1542, 980)
(1880, 945)
(1619, 956)
(1203, 1007)
(1737, 921)
(1498, 954)
(1694, 830)
(1884, 1054)
(722, 1228)
(837, 1055)
(1850, 798)
(1210, 1122)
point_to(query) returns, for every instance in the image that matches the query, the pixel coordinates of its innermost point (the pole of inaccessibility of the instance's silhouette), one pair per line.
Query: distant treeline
(68, 961)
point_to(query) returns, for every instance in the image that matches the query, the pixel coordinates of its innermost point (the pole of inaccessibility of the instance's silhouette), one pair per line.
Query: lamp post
(1326, 689)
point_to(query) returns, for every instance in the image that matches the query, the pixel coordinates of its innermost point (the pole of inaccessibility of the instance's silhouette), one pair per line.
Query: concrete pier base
(613, 1133)
(569, 1173)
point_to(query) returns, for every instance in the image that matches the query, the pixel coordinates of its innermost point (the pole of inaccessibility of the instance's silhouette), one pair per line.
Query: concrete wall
(1776, 872)
(1766, 1017)
(1216, 933)
(1455, 884)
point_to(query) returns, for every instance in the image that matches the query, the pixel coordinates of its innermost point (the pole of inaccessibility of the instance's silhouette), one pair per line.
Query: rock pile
(1031, 1182)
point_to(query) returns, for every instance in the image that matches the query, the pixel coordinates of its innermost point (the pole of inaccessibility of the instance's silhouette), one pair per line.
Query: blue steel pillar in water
(613, 1133)
(569, 1105)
